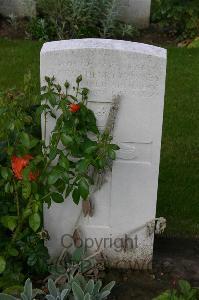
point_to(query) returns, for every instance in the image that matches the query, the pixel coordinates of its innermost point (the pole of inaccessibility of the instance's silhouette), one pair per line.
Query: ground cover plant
(30, 176)
(78, 285)
(179, 174)
(183, 291)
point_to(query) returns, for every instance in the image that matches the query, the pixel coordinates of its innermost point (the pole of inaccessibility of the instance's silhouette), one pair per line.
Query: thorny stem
(20, 224)
(17, 199)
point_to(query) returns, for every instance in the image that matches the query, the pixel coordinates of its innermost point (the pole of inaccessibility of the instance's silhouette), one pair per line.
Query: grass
(16, 59)
(178, 195)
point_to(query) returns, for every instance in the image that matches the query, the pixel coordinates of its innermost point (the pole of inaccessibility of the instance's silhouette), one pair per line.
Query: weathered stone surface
(135, 12)
(18, 8)
(127, 202)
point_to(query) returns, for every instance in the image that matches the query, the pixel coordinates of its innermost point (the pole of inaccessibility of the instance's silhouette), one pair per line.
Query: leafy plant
(38, 29)
(179, 18)
(27, 293)
(70, 265)
(54, 293)
(184, 292)
(64, 19)
(33, 172)
(78, 289)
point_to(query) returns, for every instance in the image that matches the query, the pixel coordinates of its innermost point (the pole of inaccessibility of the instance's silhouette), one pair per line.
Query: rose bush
(33, 172)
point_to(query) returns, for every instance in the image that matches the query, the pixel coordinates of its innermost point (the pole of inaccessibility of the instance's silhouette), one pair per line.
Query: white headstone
(18, 8)
(135, 12)
(126, 205)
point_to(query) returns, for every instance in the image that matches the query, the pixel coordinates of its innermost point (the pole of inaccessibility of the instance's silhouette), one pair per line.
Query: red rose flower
(18, 165)
(74, 107)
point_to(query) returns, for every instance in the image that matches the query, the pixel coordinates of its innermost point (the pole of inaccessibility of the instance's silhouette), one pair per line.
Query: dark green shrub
(179, 18)
(38, 29)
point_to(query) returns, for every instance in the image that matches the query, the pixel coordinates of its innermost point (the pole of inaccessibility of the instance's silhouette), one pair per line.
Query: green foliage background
(179, 18)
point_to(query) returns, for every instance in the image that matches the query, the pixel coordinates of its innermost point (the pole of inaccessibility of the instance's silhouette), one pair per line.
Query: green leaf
(2, 264)
(166, 296)
(26, 171)
(97, 287)
(52, 288)
(68, 190)
(32, 260)
(33, 142)
(104, 295)
(101, 163)
(9, 222)
(35, 221)
(82, 165)
(87, 297)
(35, 207)
(25, 140)
(53, 177)
(7, 187)
(52, 99)
(58, 198)
(91, 149)
(13, 252)
(89, 287)
(13, 290)
(5, 173)
(27, 212)
(112, 154)
(48, 297)
(83, 188)
(3, 110)
(28, 289)
(108, 287)
(53, 153)
(115, 147)
(78, 255)
(64, 162)
(77, 291)
(64, 294)
(76, 196)
(7, 297)
(10, 150)
(185, 286)
(26, 189)
(66, 139)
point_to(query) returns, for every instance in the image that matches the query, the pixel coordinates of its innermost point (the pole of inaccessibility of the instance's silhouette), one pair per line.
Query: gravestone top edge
(106, 44)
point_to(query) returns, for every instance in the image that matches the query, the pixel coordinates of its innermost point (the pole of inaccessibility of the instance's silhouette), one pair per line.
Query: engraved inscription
(138, 152)
(126, 152)
(108, 74)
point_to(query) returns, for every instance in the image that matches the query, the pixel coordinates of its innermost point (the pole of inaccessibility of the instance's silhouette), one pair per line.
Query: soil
(11, 29)
(154, 36)
(174, 259)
